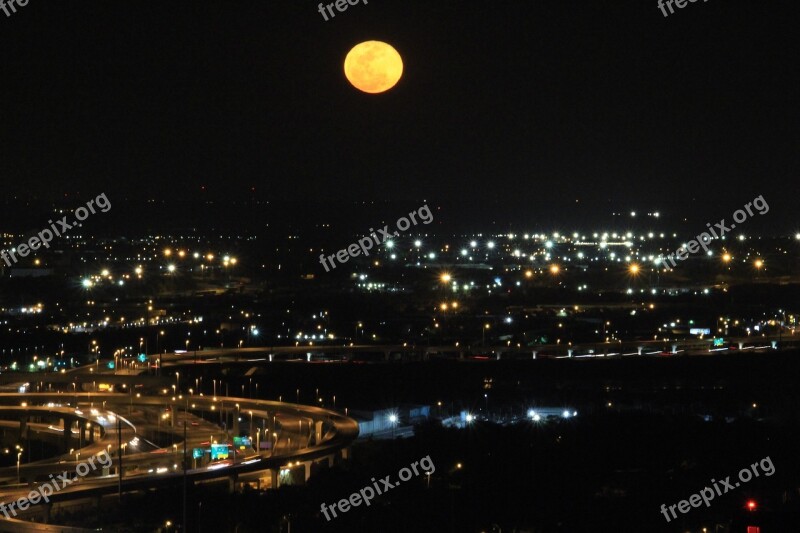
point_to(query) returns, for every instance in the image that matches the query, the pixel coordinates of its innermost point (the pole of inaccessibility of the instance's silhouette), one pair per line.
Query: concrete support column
(318, 431)
(331, 461)
(639, 349)
(346, 452)
(307, 470)
(66, 439)
(741, 345)
(275, 477)
(674, 348)
(23, 428)
(569, 352)
(534, 354)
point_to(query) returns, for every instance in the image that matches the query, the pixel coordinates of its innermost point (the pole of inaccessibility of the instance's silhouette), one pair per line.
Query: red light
(753, 529)
(751, 505)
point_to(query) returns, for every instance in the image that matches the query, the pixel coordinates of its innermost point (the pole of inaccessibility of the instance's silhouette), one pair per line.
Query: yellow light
(759, 263)
(446, 278)
(167, 252)
(528, 273)
(555, 269)
(634, 269)
(726, 258)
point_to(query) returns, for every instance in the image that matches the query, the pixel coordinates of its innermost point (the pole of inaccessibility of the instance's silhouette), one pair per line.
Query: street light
(19, 455)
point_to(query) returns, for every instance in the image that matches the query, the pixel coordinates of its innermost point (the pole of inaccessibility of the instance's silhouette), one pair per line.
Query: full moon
(373, 67)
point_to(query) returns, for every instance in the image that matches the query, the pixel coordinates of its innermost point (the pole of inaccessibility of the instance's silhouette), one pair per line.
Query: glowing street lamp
(759, 264)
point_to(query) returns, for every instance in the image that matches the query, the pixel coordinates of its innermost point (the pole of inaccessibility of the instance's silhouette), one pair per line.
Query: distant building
(29, 272)
(380, 420)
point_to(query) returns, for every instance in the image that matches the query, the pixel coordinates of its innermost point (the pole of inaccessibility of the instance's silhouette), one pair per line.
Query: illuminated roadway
(299, 436)
(367, 353)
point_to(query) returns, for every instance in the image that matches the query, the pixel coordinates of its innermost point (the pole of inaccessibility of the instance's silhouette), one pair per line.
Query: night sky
(506, 101)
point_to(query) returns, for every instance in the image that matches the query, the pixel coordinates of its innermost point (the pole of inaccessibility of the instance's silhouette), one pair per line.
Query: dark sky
(518, 101)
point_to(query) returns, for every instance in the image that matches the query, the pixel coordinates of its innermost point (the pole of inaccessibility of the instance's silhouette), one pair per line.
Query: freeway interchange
(148, 436)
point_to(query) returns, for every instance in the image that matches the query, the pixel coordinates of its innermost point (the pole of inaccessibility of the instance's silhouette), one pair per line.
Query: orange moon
(373, 67)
